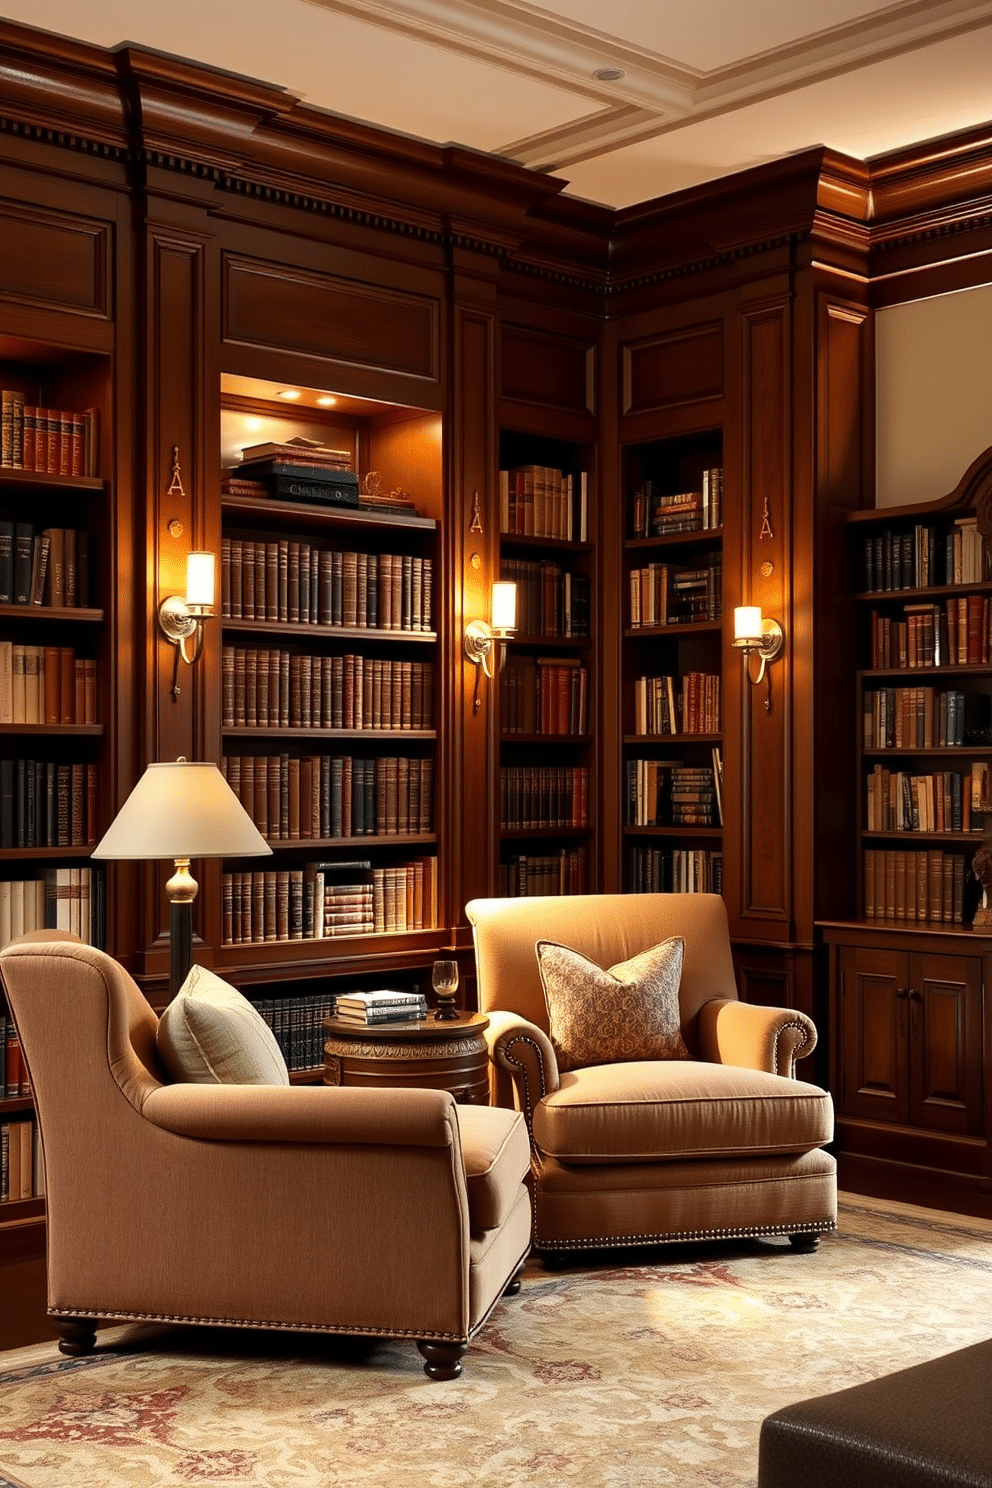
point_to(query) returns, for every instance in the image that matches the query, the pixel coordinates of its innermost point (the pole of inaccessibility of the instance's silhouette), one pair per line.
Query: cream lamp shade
(182, 809)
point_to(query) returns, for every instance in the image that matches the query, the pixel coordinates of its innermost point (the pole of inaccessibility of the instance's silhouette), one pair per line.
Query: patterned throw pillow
(629, 1012)
(211, 1035)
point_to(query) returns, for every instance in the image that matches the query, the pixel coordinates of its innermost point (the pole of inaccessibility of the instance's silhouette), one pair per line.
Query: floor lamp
(179, 810)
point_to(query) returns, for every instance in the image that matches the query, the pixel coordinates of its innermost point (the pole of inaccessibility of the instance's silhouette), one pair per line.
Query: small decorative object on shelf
(444, 980)
(982, 868)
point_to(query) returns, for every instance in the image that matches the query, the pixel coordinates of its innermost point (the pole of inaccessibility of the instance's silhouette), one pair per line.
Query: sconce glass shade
(200, 583)
(747, 625)
(504, 606)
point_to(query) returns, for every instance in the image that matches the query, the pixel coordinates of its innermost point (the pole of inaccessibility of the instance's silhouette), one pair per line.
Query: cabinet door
(945, 1011)
(874, 1034)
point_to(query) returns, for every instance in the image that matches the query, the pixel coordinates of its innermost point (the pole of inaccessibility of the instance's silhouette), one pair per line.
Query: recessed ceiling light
(609, 74)
(290, 393)
(326, 401)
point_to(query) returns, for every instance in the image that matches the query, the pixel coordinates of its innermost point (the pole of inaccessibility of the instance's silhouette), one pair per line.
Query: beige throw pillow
(211, 1035)
(629, 1012)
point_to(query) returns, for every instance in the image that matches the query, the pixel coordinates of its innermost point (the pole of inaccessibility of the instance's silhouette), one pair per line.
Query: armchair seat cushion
(657, 1110)
(496, 1154)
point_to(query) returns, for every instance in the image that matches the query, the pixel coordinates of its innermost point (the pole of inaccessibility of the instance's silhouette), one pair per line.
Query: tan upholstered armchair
(391, 1213)
(726, 1143)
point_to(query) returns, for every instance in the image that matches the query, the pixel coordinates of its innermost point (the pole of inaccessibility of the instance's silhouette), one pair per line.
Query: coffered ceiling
(624, 99)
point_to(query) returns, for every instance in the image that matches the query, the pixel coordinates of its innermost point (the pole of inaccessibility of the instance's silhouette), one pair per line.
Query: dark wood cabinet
(910, 1037)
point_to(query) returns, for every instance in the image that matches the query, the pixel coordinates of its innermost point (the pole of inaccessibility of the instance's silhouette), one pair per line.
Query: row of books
(689, 704)
(928, 886)
(544, 695)
(376, 1009)
(667, 594)
(22, 1169)
(657, 513)
(524, 875)
(269, 688)
(14, 1078)
(51, 441)
(663, 793)
(46, 685)
(296, 1023)
(535, 796)
(551, 601)
(921, 557)
(540, 501)
(316, 902)
(954, 633)
(59, 899)
(297, 582)
(680, 870)
(943, 801)
(326, 796)
(44, 803)
(924, 718)
(44, 567)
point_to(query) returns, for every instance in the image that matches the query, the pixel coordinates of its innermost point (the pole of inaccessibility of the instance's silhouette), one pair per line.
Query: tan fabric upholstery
(237, 1204)
(726, 1142)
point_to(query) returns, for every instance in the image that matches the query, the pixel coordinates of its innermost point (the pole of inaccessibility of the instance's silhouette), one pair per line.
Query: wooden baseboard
(957, 1193)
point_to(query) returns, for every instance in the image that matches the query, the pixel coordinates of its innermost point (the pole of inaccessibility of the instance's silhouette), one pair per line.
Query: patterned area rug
(634, 1375)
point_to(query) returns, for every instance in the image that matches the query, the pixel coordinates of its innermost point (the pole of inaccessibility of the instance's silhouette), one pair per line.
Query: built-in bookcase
(54, 682)
(330, 704)
(671, 676)
(546, 694)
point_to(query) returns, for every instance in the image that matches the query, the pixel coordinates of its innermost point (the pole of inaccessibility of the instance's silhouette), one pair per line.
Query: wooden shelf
(304, 514)
(674, 539)
(682, 831)
(49, 483)
(380, 839)
(64, 614)
(61, 730)
(541, 834)
(394, 736)
(689, 628)
(666, 739)
(305, 630)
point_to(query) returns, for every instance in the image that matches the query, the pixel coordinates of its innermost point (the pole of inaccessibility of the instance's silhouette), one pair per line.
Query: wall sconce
(485, 644)
(752, 634)
(181, 617)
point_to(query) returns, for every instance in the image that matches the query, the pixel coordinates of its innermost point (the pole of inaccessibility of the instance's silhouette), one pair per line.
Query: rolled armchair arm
(755, 1037)
(311, 1114)
(523, 1062)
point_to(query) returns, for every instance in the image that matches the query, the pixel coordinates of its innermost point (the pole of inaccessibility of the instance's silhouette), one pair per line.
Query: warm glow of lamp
(200, 583)
(485, 643)
(504, 607)
(179, 810)
(747, 624)
(753, 632)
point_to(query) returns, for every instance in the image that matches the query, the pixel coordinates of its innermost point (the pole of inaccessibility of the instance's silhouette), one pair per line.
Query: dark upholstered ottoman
(925, 1427)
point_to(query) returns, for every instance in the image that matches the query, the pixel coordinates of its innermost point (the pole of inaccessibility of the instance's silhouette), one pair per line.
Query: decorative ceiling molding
(657, 94)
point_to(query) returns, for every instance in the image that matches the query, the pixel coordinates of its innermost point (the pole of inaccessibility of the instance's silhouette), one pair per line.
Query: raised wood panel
(53, 262)
(874, 1031)
(842, 432)
(766, 766)
(550, 371)
(946, 1023)
(683, 366)
(336, 320)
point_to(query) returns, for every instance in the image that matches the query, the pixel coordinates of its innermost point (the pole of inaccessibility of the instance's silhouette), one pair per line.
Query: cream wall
(933, 393)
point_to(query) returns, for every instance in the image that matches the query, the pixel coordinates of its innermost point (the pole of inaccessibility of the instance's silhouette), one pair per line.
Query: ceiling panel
(863, 113)
(711, 33)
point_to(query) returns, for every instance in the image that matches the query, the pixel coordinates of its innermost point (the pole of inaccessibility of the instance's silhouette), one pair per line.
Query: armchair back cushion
(211, 1035)
(622, 927)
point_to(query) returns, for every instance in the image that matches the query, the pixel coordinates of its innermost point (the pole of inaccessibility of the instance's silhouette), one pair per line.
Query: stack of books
(366, 1009)
(297, 470)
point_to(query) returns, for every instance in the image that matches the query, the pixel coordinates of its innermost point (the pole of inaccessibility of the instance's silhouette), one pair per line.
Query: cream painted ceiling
(707, 86)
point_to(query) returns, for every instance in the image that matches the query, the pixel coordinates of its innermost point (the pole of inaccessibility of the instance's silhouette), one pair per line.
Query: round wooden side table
(438, 1055)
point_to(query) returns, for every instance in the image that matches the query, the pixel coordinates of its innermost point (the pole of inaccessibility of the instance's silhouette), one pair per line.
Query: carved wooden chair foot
(515, 1282)
(444, 1360)
(805, 1244)
(77, 1336)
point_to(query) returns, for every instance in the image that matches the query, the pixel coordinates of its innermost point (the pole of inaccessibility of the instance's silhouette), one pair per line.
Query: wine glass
(444, 980)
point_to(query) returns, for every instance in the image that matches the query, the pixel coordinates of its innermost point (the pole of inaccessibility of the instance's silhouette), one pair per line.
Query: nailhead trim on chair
(221, 1322)
(797, 1054)
(738, 1232)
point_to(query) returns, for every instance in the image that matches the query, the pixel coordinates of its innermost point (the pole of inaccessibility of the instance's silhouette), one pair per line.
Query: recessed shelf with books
(329, 673)
(671, 674)
(547, 764)
(54, 528)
